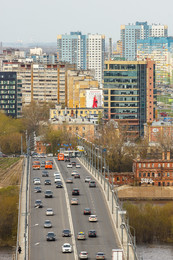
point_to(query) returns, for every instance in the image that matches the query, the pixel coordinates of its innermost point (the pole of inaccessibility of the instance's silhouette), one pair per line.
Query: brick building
(122, 178)
(158, 172)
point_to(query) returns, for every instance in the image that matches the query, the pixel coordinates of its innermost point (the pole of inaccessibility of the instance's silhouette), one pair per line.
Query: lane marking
(69, 214)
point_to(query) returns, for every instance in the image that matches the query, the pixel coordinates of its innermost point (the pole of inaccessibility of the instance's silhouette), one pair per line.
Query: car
(77, 175)
(45, 174)
(66, 233)
(74, 201)
(83, 255)
(100, 255)
(87, 211)
(92, 233)
(57, 179)
(92, 184)
(87, 179)
(73, 172)
(37, 181)
(48, 194)
(67, 159)
(75, 191)
(42, 163)
(59, 184)
(38, 204)
(77, 165)
(69, 165)
(66, 248)
(47, 182)
(37, 189)
(56, 173)
(69, 180)
(50, 155)
(73, 163)
(81, 236)
(49, 212)
(93, 218)
(47, 224)
(51, 236)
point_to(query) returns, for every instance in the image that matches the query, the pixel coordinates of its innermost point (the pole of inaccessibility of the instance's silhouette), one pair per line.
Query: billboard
(94, 98)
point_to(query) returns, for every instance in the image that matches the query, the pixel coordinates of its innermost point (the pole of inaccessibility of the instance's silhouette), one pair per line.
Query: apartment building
(140, 30)
(86, 51)
(161, 51)
(129, 94)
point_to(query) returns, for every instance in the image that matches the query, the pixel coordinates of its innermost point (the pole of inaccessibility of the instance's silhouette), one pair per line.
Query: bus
(60, 157)
(48, 165)
(36, 165)
(72, 154)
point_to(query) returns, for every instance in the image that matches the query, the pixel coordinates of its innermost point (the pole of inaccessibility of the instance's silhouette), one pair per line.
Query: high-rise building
(86, 51)
(10, 94)
(129, 94)
(140, 30)
(161, 51)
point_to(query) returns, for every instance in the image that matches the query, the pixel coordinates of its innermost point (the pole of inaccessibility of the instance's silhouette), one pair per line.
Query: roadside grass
(7, 162)
(9, 197)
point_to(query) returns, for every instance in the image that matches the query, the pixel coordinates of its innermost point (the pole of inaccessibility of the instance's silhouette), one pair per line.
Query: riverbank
(126, 192)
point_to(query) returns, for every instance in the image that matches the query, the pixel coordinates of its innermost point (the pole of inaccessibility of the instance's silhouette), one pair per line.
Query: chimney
(163, 155)
(168, 155)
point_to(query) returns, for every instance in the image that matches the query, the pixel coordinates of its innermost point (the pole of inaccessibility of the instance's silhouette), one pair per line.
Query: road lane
(92, 198)
(40, 249)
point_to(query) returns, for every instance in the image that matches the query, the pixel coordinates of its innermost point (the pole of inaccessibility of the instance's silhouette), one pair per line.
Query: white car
(74, 173)
(77, 165)
(56, 174)
(66, 248)
(69, 165)
(57, 179)
(49, 212)
(93, 218)
(87, 179)
(83, 255)
(37, 181)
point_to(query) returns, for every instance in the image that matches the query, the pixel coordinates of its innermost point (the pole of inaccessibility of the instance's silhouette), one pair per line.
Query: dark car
(38, 204)
(77, 175)
(75, 191)
(66, 233)
(67, 159)
(73, 163)
(42, 163)
(59, 184)
(47, 182)
(92, 233)
(51, 236)
(45, 174)
(48, 194)
(37, 189)
(87, 211)
(92, 184)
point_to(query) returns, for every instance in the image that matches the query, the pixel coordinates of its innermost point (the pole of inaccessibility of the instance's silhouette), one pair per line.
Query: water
(155, 252)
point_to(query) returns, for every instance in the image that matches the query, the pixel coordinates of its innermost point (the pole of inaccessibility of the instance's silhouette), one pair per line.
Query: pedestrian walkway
(22, 208)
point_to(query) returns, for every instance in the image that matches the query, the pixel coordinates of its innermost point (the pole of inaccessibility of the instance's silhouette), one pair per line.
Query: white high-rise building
(95, 54)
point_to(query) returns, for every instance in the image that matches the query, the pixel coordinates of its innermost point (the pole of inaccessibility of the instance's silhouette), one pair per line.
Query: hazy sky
(41, 20)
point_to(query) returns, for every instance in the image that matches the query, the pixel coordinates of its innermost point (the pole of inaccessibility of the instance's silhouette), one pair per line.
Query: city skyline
(41, 21)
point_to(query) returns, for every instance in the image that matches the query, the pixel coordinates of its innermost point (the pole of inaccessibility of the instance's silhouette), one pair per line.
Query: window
(118, 178)
(168, 174)
(159, 174)
(153, 165)
(148, 165)
(148, 174)
(139, 165)
(168, 165)
(144, 174)
(144, 165)
(77, 128)
(139, 174)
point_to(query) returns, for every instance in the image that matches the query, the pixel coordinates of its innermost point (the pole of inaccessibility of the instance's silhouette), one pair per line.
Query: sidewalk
(22, 208)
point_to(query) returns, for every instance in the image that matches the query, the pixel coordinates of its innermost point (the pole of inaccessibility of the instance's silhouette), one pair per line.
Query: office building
(161, 51)
(10, 94)
(86, 51)
(129, 94)
(140, 30)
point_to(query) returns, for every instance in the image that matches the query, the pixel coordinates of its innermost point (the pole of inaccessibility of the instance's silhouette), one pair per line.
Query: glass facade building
(10, 94)
(129, 94)
(161, 51)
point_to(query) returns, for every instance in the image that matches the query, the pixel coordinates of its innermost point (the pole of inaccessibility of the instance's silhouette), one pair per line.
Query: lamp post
(129, 244)
(108, 182)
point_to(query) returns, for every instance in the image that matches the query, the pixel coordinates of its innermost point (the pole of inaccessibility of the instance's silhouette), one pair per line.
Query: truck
(117, 254)
(36, 165)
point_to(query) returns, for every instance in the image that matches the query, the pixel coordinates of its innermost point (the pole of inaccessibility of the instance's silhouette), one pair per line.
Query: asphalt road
(92, 198)
(40, 249)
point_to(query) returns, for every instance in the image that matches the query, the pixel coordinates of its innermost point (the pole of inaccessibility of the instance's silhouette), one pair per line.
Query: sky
(34, 21)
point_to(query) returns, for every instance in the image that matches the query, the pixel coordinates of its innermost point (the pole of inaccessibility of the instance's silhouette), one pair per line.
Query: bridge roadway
(40, 249)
